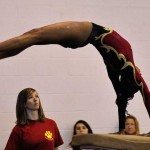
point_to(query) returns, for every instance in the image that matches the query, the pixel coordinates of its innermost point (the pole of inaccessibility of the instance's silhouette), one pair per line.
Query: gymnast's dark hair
(85, 123)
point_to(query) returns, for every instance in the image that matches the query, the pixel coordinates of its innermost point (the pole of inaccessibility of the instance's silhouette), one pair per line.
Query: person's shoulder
(50, 120)
(17, 129)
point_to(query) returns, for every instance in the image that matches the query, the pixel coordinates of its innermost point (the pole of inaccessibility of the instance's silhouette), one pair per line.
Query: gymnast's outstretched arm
(121, 100)
(144, 91)
(64, 33)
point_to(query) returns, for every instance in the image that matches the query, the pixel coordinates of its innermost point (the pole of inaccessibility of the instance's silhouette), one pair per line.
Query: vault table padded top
(114, 141)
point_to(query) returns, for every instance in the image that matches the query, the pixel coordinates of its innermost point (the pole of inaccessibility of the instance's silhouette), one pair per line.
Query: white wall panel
(72, 83)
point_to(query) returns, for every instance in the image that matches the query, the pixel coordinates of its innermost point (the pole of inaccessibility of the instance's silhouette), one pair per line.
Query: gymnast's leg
(68, 34)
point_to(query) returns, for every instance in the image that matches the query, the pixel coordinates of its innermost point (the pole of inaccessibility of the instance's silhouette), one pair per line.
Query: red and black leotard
(118, 57)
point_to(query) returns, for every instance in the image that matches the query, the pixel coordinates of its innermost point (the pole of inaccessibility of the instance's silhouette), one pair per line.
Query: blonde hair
(137, 128)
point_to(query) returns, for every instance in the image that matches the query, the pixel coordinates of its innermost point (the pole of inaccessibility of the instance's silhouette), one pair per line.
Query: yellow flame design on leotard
(119, 56)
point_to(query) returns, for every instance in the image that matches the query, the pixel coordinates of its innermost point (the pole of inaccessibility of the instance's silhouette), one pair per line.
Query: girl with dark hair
(115, 50)
(33, 130)
(80, 127)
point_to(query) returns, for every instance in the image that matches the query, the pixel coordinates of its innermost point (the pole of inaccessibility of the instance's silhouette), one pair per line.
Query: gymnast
(115, 50)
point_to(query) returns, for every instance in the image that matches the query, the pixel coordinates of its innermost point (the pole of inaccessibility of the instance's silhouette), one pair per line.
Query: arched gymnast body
(115, 50)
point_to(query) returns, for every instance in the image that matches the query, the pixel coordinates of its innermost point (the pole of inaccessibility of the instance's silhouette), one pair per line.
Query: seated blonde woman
(131, 125)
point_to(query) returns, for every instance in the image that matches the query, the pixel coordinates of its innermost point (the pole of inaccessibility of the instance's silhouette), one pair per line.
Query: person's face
(130, 126)
(33, 102)
(81, 129)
